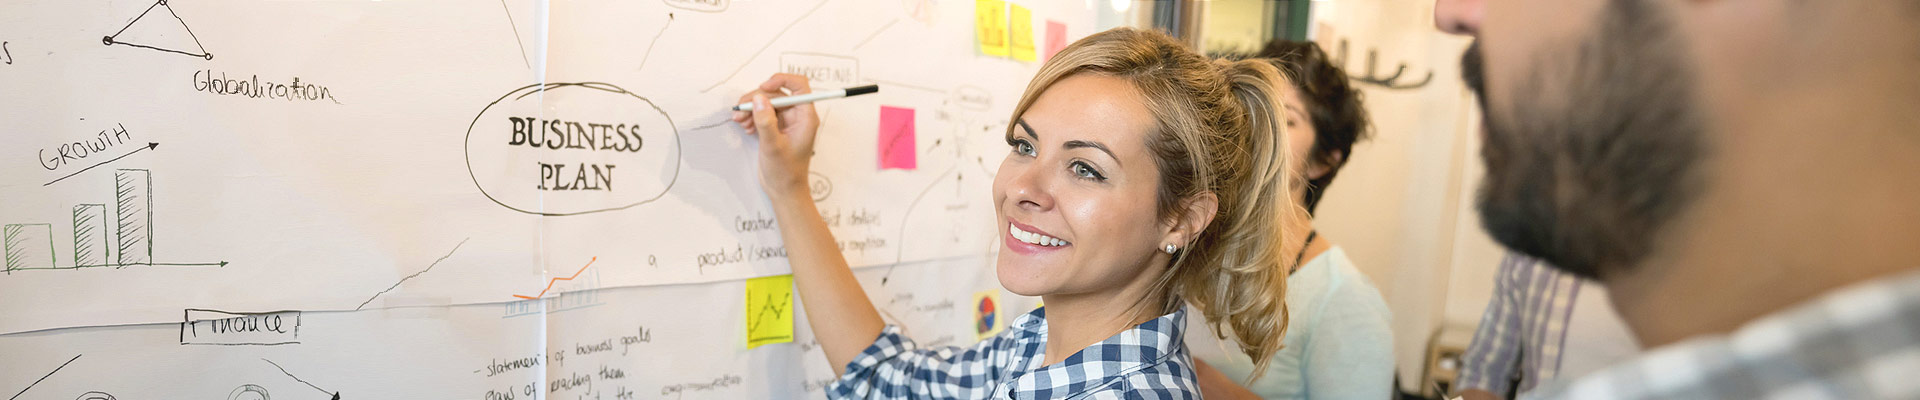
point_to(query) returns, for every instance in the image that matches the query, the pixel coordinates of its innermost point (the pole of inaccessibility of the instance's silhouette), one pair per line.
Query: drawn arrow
(150, 146)
(283, 370)
(656, 40)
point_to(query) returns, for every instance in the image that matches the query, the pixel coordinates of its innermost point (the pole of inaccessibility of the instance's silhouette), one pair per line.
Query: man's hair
(1331, 101)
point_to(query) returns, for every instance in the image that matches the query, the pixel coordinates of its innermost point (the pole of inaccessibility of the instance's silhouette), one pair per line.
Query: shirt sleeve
(1489, 361)
(894, 367)
(1350, 351)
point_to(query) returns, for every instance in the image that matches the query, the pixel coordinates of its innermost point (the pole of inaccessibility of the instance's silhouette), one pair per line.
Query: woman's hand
(786, 135)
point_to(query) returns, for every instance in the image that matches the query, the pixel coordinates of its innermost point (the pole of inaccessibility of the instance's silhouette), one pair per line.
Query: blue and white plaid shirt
(1861, 342)
(1148, 361)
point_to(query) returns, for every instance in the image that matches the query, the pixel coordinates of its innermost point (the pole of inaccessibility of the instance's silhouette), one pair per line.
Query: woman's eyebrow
(1075, 144)
(1023, 125)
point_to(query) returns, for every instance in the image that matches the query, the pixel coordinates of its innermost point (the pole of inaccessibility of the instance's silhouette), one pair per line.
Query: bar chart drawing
(120, 240)
(28, 245)
(90, 234)
(133, 215)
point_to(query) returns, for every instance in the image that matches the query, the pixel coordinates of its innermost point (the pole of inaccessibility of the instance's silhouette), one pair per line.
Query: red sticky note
(1056, 37)
(896, 138)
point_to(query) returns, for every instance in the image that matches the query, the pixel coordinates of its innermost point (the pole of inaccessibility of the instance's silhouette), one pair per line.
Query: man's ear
(1194, 215)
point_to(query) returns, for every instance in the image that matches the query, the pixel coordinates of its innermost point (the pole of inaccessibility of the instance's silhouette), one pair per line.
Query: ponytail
(1240, 280)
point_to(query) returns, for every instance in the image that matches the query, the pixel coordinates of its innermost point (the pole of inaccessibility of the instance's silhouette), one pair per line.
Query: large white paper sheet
(355, 155)
(461, 352)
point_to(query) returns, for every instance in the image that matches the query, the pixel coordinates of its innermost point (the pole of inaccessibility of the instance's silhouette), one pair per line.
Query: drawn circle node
(240, 393)
(209, 56)
(94, 396)
(106, 40)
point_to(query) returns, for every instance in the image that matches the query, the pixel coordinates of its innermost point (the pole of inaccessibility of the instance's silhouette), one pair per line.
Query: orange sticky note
(896, 138)
(769, 310)
(1020, 32)
(1056, 37)
(990, 24)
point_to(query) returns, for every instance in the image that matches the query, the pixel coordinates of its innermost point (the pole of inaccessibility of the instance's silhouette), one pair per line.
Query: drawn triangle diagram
(159, 28)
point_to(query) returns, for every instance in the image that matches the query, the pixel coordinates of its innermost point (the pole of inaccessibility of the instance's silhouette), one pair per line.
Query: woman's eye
(1023, 147)
(1084, 171)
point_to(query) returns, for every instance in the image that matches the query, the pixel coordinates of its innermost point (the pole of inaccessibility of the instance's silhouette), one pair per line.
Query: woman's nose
(1027, 187)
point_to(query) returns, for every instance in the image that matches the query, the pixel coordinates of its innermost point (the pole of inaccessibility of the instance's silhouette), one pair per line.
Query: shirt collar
(1147, 344)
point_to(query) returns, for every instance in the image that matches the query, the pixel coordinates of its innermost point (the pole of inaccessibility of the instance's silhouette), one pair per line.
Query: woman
(1339, 345)
(1141, 177)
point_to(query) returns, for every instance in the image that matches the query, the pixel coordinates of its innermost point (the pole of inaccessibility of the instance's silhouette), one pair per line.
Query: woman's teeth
(1034, 238)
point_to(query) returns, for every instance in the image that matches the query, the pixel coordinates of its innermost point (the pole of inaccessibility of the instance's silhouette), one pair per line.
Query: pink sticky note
(1056, 37)
(896, 138)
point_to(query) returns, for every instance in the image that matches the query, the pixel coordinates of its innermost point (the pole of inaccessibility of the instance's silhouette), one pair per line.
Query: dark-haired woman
(1339, 344)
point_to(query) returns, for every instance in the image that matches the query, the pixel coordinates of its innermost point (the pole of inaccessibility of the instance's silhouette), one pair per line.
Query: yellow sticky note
(769, 310)
(990, 22)
(1020, 32)
(988, 315)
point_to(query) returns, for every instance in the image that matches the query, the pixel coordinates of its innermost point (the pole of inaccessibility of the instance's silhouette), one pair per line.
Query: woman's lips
(1043, 242)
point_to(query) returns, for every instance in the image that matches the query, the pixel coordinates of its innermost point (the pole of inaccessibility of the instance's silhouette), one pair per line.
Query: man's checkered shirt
(1861, 342)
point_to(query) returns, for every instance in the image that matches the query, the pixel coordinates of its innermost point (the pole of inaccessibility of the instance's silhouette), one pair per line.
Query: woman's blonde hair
(1218, 130)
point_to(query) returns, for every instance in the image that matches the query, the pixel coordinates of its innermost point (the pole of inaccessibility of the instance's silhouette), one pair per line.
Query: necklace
(1303, 250)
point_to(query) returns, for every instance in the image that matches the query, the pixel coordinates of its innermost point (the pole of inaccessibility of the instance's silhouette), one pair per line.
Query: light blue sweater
(1338, 345)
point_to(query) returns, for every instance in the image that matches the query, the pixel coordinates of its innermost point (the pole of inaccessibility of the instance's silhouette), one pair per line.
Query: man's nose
(1459, 17)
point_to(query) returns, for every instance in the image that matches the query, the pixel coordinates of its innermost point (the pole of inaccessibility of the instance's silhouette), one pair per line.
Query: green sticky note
(769, 310)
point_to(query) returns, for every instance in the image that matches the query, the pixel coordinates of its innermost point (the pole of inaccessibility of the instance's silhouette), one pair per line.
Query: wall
(1403, 206)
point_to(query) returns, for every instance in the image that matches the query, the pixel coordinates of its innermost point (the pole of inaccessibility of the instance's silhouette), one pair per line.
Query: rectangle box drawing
(28, 245)
(90, 241)
(133, 216)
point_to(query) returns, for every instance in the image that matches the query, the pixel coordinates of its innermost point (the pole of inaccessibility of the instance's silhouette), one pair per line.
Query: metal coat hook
(1373, 73)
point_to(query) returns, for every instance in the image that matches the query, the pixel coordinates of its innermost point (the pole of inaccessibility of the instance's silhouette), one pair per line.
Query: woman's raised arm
(842, 318)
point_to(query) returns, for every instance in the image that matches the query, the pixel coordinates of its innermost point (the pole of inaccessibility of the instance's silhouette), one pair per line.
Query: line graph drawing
(159, 33)
(456, 247)
(43, 378)
(550, 282)
(776, 309)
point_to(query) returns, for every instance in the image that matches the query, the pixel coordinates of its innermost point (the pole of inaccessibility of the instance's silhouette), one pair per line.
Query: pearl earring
(1170, 249)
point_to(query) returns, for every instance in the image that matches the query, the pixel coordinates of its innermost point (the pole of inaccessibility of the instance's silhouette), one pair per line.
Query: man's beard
(1587, 175)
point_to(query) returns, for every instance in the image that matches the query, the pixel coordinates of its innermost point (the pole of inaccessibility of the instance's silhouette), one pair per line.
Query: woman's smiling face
(1077, 193)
